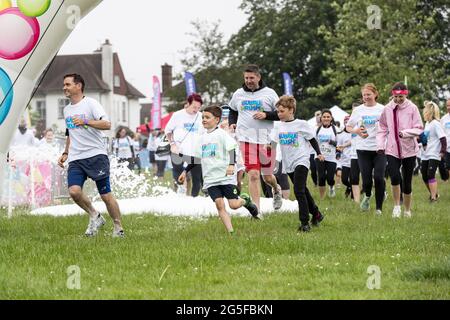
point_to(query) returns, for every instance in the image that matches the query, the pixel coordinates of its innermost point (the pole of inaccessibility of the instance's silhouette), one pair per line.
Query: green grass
(179, 258)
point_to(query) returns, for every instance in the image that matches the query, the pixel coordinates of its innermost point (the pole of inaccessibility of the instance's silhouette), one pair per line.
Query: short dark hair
(253, 68)
(195, 97)
(215, 110)
(77, 79)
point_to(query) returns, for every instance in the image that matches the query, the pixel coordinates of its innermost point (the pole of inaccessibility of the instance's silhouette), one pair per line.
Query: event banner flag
(190, 83)
(288, 85)
(156, 109)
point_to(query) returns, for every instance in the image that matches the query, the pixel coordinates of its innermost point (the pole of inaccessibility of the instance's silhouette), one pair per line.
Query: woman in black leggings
(326, 136)
(364, 123)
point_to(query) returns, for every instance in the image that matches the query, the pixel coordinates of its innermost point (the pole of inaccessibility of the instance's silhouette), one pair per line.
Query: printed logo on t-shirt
(69, 121)
(447, 125)
(191, 127)
(252, 105)
(289, 139)
(427, 134)
(324, 138)
(209, 150)
(369, 121)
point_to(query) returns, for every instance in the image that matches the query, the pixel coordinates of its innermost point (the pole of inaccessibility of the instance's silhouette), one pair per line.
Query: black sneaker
(317, 219)
(304, 228)
(250, 206)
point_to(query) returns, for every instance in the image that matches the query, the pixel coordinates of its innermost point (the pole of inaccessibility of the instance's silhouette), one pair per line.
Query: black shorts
(447, 160)
(228, 191)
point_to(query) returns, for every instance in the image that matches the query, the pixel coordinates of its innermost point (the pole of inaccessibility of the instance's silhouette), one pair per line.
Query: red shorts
(258, 157)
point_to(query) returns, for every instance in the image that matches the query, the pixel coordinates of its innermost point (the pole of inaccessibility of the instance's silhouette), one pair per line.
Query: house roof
(90, 67)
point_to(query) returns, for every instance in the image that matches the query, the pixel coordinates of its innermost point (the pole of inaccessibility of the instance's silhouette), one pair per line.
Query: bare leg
(76, 193)
(356, 193)
(223, 214)
(271, 180)
(322, 191)
(253, 187)
(396, 192)
(407, 201)
(433, 190)
(113, 210)
(236, 203)
(286, 194)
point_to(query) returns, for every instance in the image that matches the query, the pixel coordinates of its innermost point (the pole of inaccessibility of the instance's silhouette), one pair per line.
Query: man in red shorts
(252, 114)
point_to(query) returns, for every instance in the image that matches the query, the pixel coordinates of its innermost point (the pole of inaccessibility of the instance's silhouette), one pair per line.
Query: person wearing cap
(400, 125)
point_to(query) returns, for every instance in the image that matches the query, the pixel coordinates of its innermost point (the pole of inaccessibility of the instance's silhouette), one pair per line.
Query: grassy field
(178, 258)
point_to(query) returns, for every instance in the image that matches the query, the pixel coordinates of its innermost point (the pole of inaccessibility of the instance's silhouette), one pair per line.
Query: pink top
(397, 119)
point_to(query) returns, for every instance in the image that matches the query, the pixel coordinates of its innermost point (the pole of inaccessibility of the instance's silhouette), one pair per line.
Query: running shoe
(94, 225)
(250, 206)
(365, 203)
(277, 198)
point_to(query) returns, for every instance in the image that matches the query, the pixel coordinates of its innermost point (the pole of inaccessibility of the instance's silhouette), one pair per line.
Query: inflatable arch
(31, 34)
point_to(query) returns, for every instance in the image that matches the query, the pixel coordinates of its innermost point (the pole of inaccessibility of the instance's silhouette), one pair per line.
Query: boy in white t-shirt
(295, 138)
(216, 152)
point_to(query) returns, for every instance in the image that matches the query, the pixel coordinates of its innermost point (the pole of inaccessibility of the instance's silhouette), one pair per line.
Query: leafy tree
(411, 41)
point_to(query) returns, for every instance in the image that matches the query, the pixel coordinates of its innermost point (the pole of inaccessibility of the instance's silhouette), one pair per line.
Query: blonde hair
(431, 111)
(371, 87)
(287, 102)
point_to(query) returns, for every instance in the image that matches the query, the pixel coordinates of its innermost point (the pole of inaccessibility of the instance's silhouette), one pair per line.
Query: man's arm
(96, 124)
(65, 154)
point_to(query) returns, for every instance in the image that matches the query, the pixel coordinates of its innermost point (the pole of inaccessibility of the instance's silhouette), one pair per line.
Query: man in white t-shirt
(446, 125)
(86, 153)
(252, 114)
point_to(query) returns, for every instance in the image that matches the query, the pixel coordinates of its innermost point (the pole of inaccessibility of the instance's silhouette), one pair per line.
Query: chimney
(166, 77)
(108, 64)
(108, 78)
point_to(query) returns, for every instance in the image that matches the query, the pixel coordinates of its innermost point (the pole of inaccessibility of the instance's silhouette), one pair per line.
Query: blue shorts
(96, 168)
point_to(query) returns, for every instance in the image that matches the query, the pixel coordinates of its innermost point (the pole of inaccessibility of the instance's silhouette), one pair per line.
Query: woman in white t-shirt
(434, 146)
(326, 136)
(123, 148)
(364, 122)
(183, 132)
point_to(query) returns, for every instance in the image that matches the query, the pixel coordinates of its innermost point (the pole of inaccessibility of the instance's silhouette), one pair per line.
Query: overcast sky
(146, 34)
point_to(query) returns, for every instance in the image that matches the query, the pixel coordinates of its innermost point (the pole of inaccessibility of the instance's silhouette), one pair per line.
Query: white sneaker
(118, 234)
(332, 192)
(407, 214)
(94, 225)
(397, 212)
(277, 198)
(379, 212)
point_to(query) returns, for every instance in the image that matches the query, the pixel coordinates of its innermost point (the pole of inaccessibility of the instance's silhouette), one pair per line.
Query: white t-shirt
(294, 138)
(324, 137)
(369, 117)
(445, 121)
(247, 104)
(152, 144)
(213, 150)
(85, 142)
(346, 155)
(434, 132)
(124, 146)
(186, 129)
(26, 139)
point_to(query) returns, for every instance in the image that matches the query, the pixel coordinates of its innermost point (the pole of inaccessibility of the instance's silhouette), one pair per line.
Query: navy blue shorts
(96, 168)
(228, 191)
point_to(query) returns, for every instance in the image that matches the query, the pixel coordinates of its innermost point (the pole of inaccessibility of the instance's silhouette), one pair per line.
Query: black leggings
(373, 167)
(326, 171)
(428, 169)
(312, 163)
(403, 178)
(161, 167)
(346, 178)
(196, 172)
(306, 204)
(354, 172)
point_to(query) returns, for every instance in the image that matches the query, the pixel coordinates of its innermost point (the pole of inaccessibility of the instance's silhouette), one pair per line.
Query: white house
(105, 82)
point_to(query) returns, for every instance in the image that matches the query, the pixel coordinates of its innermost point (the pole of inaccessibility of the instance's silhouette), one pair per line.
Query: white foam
(166, 205)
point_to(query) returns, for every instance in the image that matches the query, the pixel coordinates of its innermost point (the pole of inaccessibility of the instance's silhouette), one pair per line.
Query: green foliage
(412, 42)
